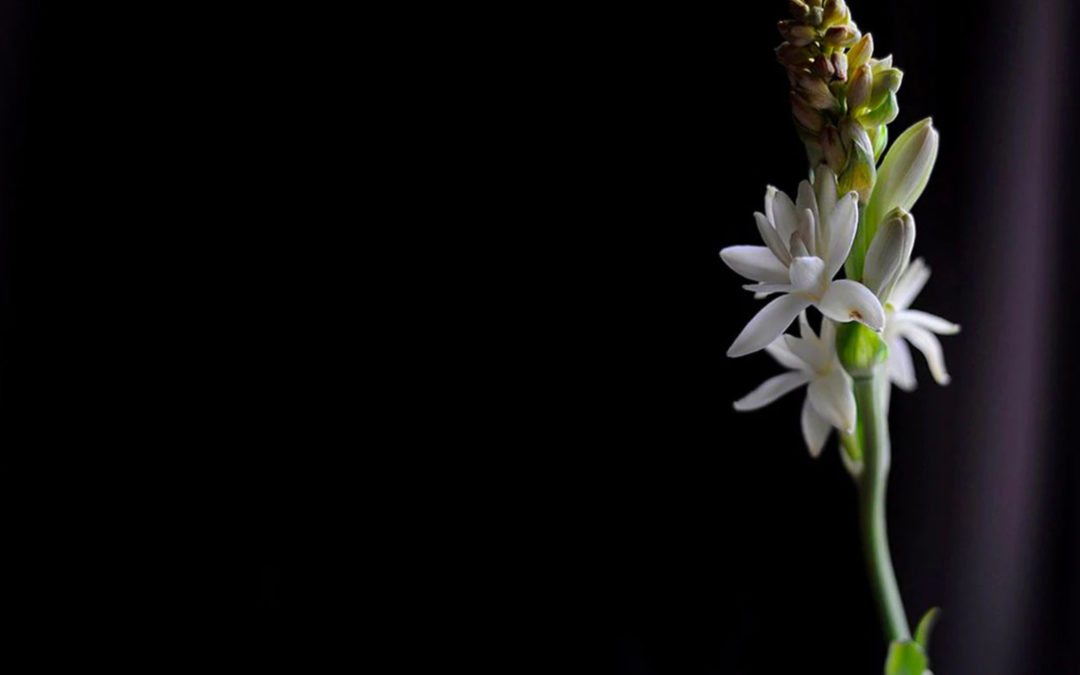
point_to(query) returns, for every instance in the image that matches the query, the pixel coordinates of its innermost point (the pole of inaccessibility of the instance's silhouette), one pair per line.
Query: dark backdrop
(737, 553)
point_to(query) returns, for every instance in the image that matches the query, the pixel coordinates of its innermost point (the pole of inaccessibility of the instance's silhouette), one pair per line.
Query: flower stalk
(870, 397)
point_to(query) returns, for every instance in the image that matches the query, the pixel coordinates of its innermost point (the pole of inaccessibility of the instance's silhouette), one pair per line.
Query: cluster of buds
(842, 98)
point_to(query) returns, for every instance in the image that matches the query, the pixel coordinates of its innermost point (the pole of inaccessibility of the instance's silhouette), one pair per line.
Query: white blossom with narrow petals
(918, 328)
(806, 244)
(812, 361)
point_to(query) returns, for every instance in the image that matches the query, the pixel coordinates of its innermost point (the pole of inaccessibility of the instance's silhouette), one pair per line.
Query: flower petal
(767, 325)
(808, 231)
(815, 428)
(825, 189)
(885, 257)
(757, 263)
(809, 352)
(806, 274)
(772, 389)
(901, 369)
(934, 324)
(806, 199)
(840, 228)
(771, 238)
(910, 283)
(833, 399)
(765, 290)
(927, 343)
(779, 350)
(845, 300)
(783, 214)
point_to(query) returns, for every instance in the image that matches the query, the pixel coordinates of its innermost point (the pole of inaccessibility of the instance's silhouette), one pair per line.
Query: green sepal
(879, 135)
(926, 624)
(859, 348)
(883, 113)
(905, 657)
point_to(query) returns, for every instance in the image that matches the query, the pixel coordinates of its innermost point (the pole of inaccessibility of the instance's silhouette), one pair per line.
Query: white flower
(807, 243)
(829, 398)
(916, 327)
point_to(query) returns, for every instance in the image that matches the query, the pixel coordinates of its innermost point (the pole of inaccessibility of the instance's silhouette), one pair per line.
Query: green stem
(869, 395)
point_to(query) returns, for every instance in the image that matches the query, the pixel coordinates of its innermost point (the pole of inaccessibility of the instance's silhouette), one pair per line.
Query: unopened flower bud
(883, 114)
(816, 92)
(841, 36)
(823, 68)
(885, 82)
(797, 34)
(861, 52)
(889, 253)
(859, 89)
(904, 172)
(805, 114)
(833, 12)
(815, 16)
(793, 57)
(833, 149)
(840, 65)
(799, 9)
(879, 137)
(860, 173)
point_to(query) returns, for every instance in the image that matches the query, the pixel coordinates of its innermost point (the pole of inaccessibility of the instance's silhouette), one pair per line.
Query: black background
(443, 289)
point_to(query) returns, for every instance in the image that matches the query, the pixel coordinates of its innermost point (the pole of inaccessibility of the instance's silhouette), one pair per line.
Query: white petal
(846, 300)
(767, 325)
(783, 214)
(825, 189)
(840, 228)
(815, 428)
(901, 369)
(771, 238)
(772, 389)
(934, 324)
(765, 290)
(828, 336)
(833, 399)
(796, 245)
(884, 258)
(805, 331)
(927, 343)
(808, 231)
(779, 350)
(807, 274)
(809, 352)
(806, 199)
(911, 282)
(757, 263)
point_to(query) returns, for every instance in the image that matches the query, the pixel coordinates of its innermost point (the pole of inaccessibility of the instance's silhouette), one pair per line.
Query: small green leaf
(926, 624)
(905, 658)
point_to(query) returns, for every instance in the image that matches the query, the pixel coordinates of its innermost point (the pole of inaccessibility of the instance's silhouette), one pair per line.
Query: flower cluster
(807, 242)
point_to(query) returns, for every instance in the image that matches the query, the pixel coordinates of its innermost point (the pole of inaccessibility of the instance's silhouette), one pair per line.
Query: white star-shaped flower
(807, 243)
(812, 360)
(916, 327)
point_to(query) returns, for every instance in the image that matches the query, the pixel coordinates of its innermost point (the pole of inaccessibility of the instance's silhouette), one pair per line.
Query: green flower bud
(883, 114)
(885, 82)
(879, 137)
(859, 175)
(815, 16)
(833, 12)
(859, 348)
(861, 52)
(859, 89)
(904, 174)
